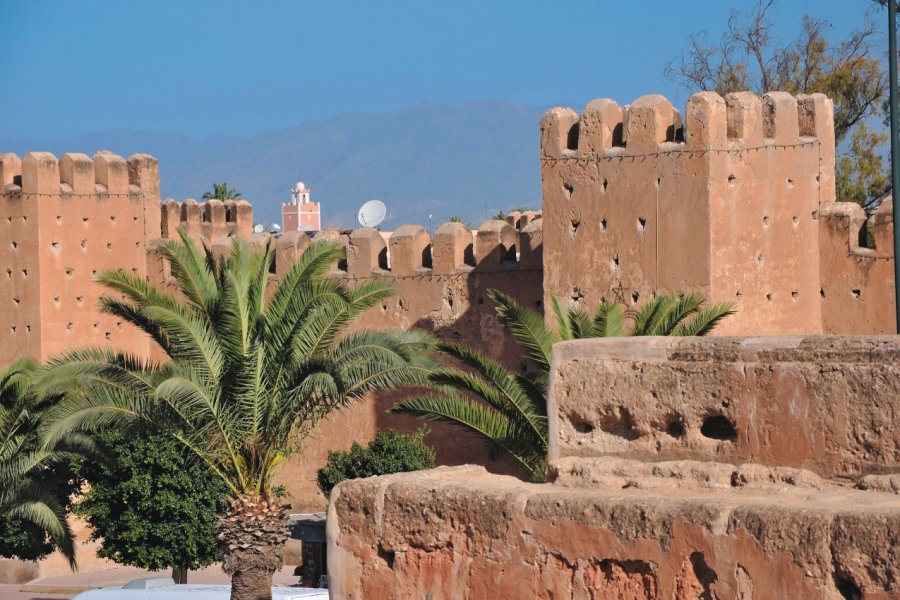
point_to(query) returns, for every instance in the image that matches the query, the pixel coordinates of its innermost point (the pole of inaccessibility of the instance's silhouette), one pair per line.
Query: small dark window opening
(618, 135)
(469, 255)
(572, 138)
(863, 236)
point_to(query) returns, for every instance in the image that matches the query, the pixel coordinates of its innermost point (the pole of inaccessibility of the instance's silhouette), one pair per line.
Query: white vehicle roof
(197, 592)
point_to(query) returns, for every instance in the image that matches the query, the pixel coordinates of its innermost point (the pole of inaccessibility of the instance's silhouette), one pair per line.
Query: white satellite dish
(372, 213)
(258, 228)
(274, 227)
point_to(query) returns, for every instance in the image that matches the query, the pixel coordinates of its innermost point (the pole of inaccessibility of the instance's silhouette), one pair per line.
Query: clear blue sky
(205, 67)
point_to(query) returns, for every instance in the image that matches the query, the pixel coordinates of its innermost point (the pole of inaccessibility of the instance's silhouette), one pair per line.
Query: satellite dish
(372, 213)
(258, 228)
(274, 227)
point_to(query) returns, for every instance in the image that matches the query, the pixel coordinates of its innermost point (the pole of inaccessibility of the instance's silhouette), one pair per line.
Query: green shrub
(151, 505)
(390, 452)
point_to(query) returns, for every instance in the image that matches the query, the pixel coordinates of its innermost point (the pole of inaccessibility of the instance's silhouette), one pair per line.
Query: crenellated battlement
(651, 125)
(208, 220)
(75, 174)
(409, 251)
(732, 196)
(856, 281)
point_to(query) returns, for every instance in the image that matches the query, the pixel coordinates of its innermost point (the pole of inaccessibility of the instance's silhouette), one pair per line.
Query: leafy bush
(25, 540)
(390, 452)
(151, 505)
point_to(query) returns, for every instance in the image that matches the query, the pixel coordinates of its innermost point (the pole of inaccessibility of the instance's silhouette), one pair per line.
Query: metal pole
(895, 144)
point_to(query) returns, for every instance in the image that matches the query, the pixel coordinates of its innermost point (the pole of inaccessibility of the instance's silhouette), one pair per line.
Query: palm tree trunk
(255, 584)
(252, 535)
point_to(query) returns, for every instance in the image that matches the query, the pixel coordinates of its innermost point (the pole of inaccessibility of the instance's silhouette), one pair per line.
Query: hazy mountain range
(469, 159)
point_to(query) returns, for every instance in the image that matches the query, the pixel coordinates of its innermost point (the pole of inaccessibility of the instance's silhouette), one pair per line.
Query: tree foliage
(509, 409)
(748, 57)
(35, 483)
(246, 372)
(221, 191)
(250, 371)
(389, 452)
(150, 504)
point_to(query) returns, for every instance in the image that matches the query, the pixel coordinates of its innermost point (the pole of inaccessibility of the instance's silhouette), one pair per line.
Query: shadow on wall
(463, 268)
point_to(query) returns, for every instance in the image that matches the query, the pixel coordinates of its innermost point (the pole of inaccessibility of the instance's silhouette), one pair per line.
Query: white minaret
(300, 193)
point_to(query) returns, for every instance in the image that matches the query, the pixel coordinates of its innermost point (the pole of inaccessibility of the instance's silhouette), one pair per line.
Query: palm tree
(25, 493)
(221, 191)
(247, 376)
(510, 409)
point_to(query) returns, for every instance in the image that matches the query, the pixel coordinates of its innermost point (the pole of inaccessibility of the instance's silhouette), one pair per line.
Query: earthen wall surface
(823, 403)
(857, 282)
(652, 494)
(736, 200)
(66, 221)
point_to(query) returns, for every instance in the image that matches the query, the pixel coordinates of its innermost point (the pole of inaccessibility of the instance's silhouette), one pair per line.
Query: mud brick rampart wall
(61, 223)
(735, 199)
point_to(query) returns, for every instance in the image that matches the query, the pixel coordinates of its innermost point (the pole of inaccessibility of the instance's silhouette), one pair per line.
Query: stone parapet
(823, 403)
(75, 174)
(462, 533)
(208, 220)
(680, 468)
(409, 251)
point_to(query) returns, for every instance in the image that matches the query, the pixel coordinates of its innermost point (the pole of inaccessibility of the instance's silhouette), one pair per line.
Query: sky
(211, 67)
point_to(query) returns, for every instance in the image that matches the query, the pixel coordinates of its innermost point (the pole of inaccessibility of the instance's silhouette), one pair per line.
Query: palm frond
(608, 321)
(483, 421)
(677, 308)
(36, 504)
(527, 327)
(580, 323)
(705, 320)
(561, 317)
(494, 384)
(245, 371)
(647, 314)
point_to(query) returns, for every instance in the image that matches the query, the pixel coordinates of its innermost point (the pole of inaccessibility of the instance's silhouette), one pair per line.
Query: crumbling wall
(823, 403)
(652, 491)
(857, 282)
(64, 221)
